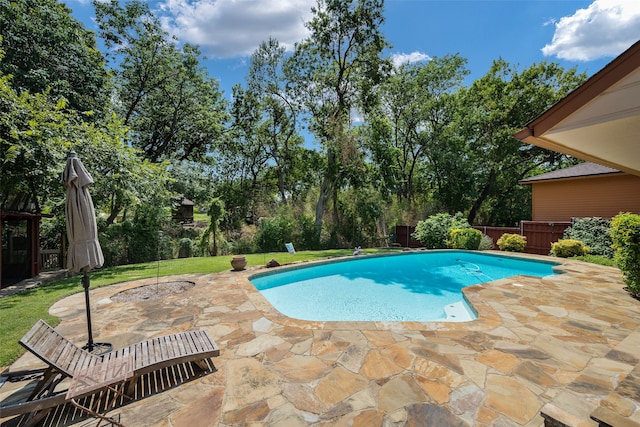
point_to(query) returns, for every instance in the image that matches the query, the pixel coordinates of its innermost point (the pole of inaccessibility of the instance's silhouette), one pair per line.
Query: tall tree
(164, 95)
(417, 104)
(278, 123)
(245, 151)
(34, 132)
(37, 134)
(47, 50)
(333, 72)
(493, 109)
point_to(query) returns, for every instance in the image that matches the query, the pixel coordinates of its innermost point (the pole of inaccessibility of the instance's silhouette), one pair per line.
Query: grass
(597, 259)
(19, 312)
(198, 216)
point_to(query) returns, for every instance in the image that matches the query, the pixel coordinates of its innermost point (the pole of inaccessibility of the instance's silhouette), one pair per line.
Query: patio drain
(153, 292)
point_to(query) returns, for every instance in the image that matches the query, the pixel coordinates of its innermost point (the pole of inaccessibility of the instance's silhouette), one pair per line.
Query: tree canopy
(385, 145)
(47, 50)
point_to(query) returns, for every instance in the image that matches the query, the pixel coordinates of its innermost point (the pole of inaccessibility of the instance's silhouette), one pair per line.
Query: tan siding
(603, 196)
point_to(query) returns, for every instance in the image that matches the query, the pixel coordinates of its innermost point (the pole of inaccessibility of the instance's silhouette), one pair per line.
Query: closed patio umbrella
(84, 251)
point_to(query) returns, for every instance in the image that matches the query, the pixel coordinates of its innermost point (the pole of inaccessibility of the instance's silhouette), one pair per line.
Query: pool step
(458, 312)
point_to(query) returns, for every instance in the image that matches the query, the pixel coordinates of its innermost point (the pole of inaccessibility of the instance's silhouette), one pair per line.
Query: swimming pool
(420, 287)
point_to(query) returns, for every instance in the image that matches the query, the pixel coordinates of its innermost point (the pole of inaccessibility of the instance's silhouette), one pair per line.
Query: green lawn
(19, 312)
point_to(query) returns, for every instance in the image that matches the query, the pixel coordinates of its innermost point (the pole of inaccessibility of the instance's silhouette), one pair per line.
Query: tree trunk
(486, 190)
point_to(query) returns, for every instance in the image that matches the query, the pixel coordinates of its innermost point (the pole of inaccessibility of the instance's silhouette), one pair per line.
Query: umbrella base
(98, 348)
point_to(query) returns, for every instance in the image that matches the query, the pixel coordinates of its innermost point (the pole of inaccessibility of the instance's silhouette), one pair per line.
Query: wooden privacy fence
(403, 236)
(540, 234)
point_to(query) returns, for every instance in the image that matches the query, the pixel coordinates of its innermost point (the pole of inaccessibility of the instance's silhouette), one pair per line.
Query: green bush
(186, 248)
(434, 231)
(465, 238)
(273, 233)
(625, 234)
(486, 243)
(512, 242)
(566, 248)
(594, 232)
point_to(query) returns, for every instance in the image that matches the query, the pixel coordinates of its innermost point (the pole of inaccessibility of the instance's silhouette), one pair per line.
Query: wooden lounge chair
(64, 359)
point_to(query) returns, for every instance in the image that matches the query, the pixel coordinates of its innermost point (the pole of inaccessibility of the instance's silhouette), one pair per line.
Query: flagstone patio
(565, 346)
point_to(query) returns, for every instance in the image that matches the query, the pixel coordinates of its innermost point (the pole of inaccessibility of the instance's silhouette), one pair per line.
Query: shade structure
(84, 251)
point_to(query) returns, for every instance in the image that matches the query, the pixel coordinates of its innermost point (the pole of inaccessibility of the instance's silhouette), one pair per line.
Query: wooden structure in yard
(584, 190)
(19, 240)
(183, 210)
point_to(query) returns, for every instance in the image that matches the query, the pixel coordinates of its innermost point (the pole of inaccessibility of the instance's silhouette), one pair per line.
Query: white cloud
(408, 58)
(232, 28)
(604, 29)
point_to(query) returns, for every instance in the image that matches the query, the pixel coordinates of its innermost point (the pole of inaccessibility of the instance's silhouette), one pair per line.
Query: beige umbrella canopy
(84, 251)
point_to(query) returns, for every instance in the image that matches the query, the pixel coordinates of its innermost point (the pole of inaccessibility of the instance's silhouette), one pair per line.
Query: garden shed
(20, 241)
(183, 210)
(584, 190)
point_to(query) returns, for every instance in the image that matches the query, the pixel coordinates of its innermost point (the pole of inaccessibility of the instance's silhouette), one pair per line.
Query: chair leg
(50, 379)
(204, 366)
(97, 415)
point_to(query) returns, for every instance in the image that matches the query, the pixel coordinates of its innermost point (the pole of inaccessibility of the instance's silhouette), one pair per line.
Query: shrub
(512, 242)
(625, 234)
(465, 238)
(434, 231)
(566, 248)
(273, 233)
(186, 248)
(486, 243)
(594, 232)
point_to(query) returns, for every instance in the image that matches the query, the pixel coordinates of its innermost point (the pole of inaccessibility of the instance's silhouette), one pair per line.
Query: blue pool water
(403, 287)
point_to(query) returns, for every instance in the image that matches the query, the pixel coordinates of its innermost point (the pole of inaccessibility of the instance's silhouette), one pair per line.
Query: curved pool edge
(478, 297)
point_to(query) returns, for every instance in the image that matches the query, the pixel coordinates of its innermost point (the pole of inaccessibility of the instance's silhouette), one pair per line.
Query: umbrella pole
(90, 346)
(85, 285)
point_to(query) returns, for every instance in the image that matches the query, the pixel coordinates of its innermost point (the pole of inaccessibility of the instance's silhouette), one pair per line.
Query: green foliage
(593, 232)
(48, 51)
(165, 95)
(139, 239)
(273, 233)
(434, 231)
(211, 238)
(243, 240)
(486, 243)
(186, 248)
(359, 214)
(34, 135)
(465, 238)
(490, 111)
(625, 234)
(596, 259)
(411, 124)
(567, 248)
(512, 242)
(335, 70)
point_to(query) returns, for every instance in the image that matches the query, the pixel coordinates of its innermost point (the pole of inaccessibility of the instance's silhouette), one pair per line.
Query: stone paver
(564, 345)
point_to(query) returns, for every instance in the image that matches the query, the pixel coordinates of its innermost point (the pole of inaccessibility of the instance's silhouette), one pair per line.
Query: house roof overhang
(599, 121)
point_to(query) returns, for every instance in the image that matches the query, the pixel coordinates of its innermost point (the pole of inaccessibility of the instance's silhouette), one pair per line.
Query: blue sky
(585, 34)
